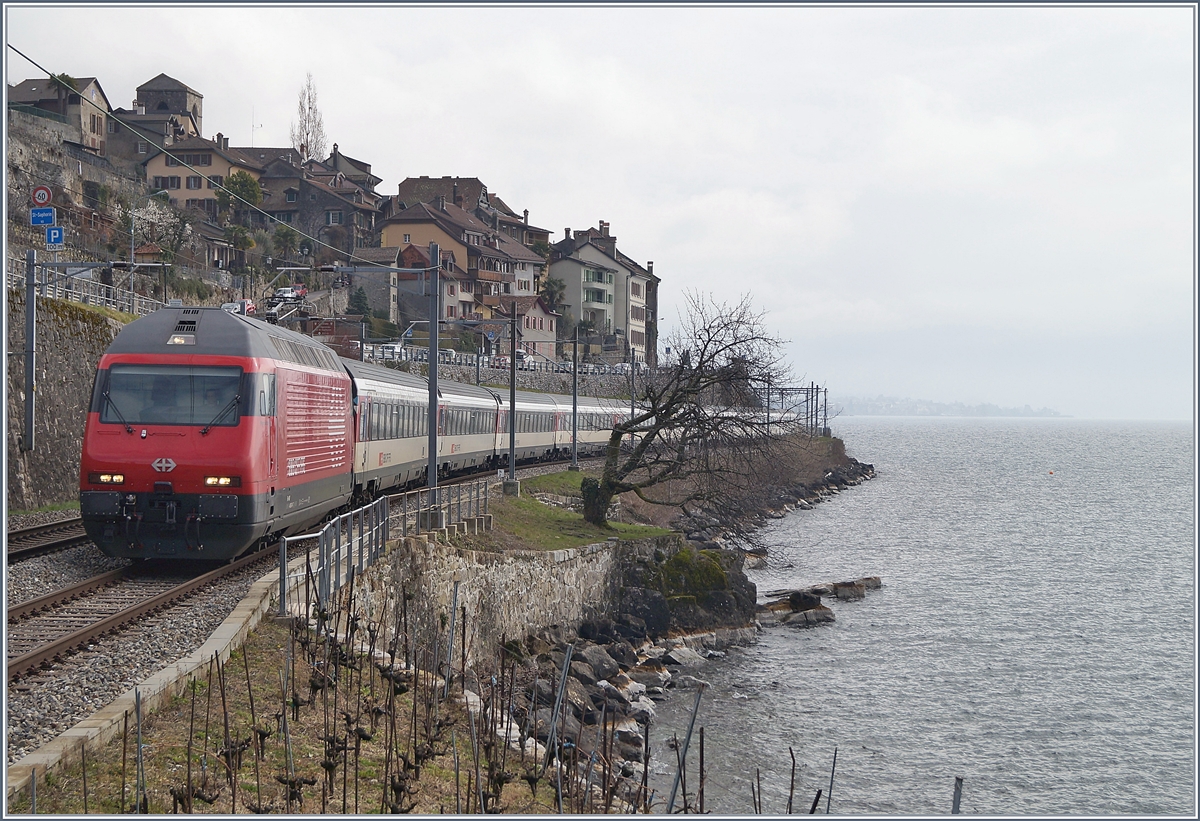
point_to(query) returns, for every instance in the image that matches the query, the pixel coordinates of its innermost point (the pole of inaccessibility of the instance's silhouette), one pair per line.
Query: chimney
(225, 143)
(217, 139)
(650, 267)
(335, 156)
(442, 202)
(566, 233)
(526, 216)
(457, 196)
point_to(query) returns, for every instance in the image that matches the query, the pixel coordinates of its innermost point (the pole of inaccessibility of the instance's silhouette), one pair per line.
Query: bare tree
(308, 132)
(699, 427)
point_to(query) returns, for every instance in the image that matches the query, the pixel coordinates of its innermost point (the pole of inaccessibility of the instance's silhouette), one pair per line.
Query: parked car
(241, 306)
(286, 295)
(500, 362)
(621, 367)
(300, 289)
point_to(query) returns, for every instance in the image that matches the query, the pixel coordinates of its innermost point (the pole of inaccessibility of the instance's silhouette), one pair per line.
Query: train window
(172, 395)
(266, 394)
(395, 422)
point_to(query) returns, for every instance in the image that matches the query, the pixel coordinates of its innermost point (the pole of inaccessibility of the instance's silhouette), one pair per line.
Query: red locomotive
(210, 431)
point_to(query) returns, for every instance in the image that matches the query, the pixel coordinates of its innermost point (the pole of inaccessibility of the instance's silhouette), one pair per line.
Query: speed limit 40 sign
(42, 196)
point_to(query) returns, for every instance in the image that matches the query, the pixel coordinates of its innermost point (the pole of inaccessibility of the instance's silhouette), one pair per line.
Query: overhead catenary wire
(217, 186)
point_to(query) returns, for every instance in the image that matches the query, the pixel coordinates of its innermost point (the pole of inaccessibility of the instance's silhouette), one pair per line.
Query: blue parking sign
(55, 236)
(41, 216)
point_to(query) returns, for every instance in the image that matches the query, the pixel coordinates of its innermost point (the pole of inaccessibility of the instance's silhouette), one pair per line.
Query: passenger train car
(209, 432)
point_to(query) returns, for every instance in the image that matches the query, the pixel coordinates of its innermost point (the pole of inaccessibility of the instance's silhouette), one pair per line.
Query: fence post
(322, 568)
(336, 558)
(362, 544)
(404, 518)
(282, 576)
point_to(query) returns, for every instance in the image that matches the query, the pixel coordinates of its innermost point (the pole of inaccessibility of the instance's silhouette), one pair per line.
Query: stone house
(86, 108)
(165, 111)
(166, 95)
(326, 206)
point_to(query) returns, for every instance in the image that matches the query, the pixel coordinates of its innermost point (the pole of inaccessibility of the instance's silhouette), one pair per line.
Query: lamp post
(132, 223)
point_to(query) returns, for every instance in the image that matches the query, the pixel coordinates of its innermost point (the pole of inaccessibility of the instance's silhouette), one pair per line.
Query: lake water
(1034, 635)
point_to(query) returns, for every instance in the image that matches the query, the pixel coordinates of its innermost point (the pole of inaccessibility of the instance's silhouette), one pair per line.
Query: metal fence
(354, 541)
(60, 284)
(433, 508)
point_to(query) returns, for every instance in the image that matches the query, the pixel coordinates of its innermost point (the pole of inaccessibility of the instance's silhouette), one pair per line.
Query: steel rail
(35, 659)
(33, 606)
(34, 541)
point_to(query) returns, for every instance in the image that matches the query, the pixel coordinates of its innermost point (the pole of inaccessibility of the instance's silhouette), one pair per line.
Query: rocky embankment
(706, 527)
(614, 678)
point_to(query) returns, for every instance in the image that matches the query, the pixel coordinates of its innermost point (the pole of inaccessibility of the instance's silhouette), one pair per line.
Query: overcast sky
(956, 204)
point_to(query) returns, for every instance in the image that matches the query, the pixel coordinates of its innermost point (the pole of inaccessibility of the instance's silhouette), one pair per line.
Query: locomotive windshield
(171, 395)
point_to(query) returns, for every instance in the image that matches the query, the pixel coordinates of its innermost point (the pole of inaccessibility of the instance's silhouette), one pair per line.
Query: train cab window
(266, 394)
(363, 417)
(172, 395)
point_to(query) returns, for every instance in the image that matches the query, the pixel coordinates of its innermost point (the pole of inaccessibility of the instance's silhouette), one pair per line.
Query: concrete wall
(70, 342)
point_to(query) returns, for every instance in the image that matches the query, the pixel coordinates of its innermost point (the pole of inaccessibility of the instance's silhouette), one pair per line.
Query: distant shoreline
(892, 406)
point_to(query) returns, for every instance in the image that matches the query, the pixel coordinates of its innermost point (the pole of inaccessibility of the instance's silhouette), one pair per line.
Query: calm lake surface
(1034, 635)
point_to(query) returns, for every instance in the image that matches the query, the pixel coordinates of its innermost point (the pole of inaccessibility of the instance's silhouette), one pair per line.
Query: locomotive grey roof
(217, 333)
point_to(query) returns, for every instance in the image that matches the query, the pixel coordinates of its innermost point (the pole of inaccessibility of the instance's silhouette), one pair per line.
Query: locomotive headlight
(223, 481)
(106, 478)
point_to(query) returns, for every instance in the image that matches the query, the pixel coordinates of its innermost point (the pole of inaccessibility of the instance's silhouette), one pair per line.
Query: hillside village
(209, 222)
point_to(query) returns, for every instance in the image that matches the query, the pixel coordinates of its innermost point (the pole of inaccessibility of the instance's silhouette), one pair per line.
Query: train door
(266, 409)
(365, 433)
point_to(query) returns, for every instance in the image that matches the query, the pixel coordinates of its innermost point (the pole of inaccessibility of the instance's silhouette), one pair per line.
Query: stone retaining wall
(505, 595)
(70, 341)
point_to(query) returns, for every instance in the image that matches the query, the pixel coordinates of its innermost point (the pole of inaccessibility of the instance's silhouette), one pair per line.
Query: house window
(194, 183)
(636, 289)
(283, 216)
(450, 290)
(333, 217)
(450, 311)
(291, 196)
(112, 126)
(408, 237)
(142, 148)
(215, 180)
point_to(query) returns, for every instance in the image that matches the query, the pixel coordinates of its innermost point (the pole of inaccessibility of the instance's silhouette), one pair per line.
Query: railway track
(53, 626)
(35, 541)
